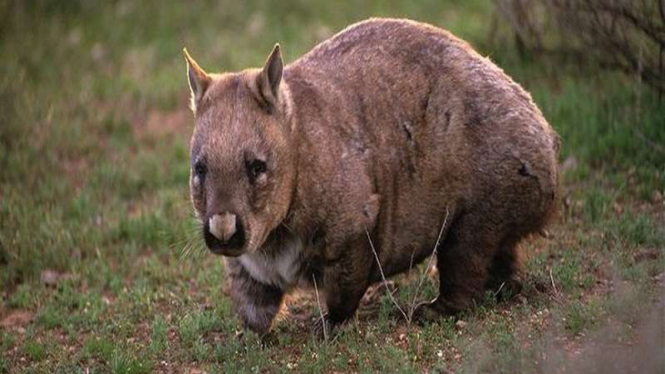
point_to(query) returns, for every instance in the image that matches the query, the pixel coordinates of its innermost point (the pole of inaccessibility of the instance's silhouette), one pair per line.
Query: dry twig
(429, 265)
(383, 276)
(556, 292)
(324, 324)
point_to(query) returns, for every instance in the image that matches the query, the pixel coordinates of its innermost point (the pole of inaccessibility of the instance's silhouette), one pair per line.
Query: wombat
(392, 131)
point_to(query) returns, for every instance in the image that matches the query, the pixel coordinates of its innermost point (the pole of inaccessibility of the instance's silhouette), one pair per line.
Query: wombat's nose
(223, 226)
(224, 234)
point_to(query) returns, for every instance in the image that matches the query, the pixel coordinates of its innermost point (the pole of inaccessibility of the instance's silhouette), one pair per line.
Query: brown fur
(390, 126)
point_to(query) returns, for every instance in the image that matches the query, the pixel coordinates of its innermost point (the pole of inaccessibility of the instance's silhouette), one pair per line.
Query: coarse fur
(390, 126)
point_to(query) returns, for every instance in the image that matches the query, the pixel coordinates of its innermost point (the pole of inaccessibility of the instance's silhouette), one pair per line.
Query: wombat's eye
(200, 169)
(256, 168)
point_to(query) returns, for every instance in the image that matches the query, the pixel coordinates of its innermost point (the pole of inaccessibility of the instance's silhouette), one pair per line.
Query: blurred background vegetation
(96, 234)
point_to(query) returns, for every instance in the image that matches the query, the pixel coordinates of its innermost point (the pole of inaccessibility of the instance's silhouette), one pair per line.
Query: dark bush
(627, 35)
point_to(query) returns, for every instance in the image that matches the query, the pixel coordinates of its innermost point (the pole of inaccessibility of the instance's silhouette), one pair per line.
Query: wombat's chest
(283, 270)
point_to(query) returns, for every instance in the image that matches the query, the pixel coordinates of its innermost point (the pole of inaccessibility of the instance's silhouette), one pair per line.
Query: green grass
(127, 363)
(94, 132)
(35, 351)
(580, 316)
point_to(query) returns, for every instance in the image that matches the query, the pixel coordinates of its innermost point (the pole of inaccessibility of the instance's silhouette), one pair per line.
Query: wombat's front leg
(256, 303)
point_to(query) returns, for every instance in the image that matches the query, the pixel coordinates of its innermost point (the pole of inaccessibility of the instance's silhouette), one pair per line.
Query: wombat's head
(242, 163)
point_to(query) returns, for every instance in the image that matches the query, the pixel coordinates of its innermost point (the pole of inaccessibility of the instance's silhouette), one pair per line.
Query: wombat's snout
(224, 234)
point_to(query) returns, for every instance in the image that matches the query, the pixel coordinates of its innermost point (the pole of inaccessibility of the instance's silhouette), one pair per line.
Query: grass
(93, 186)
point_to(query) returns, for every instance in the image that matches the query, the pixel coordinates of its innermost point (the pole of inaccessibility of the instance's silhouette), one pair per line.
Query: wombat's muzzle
(224, 234)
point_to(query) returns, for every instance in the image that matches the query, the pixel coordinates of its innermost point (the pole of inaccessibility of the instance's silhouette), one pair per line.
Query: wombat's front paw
(269, 339)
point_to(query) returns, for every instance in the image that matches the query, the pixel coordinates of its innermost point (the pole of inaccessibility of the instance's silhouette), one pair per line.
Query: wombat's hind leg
(504, 275)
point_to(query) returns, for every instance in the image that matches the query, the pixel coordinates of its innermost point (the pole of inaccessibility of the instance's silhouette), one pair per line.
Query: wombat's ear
(270, 77)
(199, 80)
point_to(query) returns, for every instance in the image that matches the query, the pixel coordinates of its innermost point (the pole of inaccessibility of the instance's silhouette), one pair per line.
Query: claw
(269, 339)
(424, 312)
(431, 311)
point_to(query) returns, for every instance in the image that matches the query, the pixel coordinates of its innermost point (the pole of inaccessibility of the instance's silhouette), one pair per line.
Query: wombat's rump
(391, 127)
